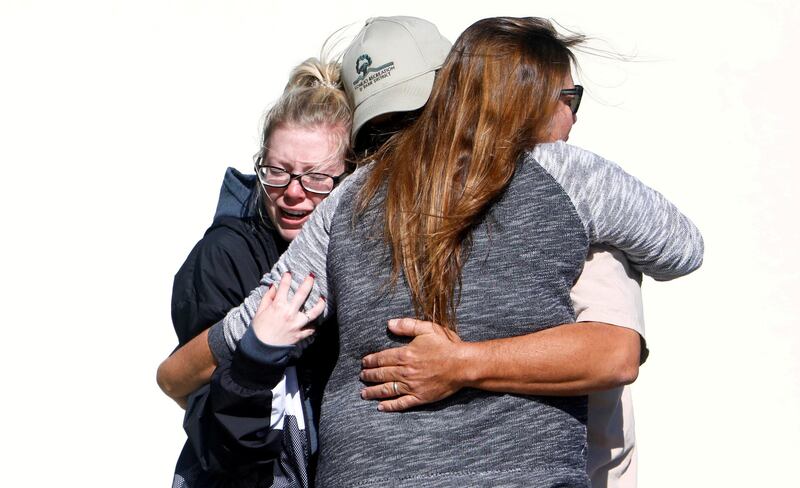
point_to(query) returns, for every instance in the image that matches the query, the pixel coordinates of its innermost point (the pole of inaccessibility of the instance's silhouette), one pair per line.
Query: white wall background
(117, 120)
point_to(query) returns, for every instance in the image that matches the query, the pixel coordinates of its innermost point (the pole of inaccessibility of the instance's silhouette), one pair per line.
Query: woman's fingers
(267, 299)
(284, 286)
(305, 333)
(302, 292)
(300, 297)
(281, 321)
(314, 312)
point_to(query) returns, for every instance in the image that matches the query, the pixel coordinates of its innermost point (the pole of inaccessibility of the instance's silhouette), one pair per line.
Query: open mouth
(293, 215)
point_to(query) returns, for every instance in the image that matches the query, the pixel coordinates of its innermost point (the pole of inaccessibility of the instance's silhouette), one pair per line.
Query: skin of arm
(603, 356)
(187, 369)
(570, 359)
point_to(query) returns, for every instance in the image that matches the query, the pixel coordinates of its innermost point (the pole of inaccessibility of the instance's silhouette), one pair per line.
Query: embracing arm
(192, 365)
(187, 369)
(569, 359)
(619, 210)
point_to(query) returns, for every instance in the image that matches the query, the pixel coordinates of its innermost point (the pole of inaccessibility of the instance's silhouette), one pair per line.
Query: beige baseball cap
(390, 66)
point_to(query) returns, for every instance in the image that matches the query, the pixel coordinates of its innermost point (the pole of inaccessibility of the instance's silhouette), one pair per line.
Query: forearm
(187, 369)
(571, 359)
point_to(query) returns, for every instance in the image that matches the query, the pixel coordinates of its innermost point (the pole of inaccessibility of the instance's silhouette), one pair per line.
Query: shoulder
(217, 274)
(589, 180)
(326, 210)
(357, 178)
(566, 162)
(230, 235)
(231, 247)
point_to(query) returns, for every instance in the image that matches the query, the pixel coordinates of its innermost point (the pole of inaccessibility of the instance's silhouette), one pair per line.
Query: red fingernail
(323, 298)
(311, 275)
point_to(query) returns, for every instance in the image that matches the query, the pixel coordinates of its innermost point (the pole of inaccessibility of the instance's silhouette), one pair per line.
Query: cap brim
(403, 97)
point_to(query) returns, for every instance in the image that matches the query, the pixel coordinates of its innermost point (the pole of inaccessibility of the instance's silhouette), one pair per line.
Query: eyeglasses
(573, 96)
(275, 177)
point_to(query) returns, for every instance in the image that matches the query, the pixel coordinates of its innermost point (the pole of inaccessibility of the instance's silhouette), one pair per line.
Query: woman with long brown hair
(474, 219)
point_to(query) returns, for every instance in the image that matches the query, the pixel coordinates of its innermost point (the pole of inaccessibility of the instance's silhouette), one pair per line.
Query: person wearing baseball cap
(390, 67)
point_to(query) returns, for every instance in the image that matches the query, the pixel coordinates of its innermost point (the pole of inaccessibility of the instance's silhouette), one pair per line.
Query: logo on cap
(368, 75)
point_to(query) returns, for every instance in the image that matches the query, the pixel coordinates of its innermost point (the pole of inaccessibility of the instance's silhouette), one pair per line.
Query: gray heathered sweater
(525, 256)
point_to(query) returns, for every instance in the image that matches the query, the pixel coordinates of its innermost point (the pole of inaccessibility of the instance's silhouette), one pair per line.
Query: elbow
(624, 358)
(617, 374)
(687, 259)
(625, 374)
(168, 386)
(164, 381)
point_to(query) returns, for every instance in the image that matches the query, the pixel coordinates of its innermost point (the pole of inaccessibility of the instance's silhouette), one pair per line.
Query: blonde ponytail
(313, 72)
(313, 97)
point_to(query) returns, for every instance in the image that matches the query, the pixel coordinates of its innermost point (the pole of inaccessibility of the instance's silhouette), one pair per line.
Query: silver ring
(394, 387)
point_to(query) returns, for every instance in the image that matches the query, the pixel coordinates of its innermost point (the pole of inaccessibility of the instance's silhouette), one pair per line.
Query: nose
(294, 190)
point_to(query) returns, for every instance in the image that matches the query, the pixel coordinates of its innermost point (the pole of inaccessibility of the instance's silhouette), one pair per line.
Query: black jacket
(222, 268)
(227, 423)
(220, 271)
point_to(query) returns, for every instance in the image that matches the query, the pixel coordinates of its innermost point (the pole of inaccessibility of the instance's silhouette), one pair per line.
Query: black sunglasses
(574, 97)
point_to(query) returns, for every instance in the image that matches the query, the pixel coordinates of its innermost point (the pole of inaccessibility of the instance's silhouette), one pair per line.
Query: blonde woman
(301, 160)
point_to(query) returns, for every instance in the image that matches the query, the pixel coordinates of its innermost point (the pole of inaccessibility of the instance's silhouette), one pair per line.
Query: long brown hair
(494, 98)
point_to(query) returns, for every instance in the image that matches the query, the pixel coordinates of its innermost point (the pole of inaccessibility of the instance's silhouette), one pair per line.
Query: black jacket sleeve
(229, 422)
